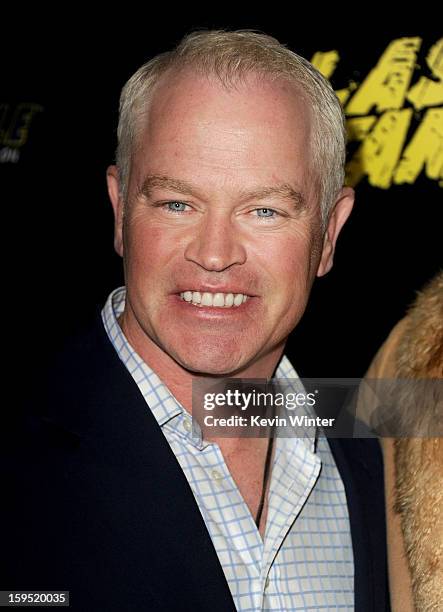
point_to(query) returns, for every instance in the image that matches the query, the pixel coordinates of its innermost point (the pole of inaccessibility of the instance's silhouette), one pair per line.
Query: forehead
(252, 98)
(195, 121)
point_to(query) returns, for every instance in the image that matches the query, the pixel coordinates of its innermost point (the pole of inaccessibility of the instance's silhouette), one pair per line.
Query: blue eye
(176, 206)
(266, 212)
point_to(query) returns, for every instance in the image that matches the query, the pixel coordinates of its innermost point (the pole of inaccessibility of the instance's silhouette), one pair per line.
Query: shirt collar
(159, 398)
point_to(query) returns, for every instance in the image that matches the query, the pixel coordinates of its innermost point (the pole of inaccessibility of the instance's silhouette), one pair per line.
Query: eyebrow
(284, 190)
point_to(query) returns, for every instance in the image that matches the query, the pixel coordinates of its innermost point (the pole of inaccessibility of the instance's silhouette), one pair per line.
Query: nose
(216, 244)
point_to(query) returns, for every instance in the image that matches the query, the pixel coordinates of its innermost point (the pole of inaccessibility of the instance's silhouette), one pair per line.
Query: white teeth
(206, 299)
(229, 299)
(218, 300)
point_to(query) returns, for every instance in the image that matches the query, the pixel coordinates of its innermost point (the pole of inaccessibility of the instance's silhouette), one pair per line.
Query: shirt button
(216, 475)
(267, 581)
(187, 425)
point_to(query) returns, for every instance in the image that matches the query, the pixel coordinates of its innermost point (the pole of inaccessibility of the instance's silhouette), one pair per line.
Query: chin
(213, 363)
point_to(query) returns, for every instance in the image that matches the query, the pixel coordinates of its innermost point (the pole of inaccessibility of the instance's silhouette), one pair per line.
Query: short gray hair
(230, 55)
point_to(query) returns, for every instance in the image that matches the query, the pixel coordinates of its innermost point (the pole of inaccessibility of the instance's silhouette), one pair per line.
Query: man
(228, 199)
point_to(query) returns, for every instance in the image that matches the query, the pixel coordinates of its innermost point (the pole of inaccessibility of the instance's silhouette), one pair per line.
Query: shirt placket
(296, 470)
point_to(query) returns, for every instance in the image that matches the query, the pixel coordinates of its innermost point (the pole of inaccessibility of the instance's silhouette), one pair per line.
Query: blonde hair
(231, 55)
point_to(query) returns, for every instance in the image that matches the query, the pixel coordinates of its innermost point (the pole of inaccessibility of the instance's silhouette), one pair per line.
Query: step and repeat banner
(58, 117)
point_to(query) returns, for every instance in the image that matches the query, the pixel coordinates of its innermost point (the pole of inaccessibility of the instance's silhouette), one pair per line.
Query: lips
(214, 300)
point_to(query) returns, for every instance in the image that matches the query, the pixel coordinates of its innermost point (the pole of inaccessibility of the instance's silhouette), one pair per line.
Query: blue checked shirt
(305, 561)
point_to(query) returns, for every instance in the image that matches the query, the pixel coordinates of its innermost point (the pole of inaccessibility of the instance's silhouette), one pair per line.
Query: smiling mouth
(214, 300)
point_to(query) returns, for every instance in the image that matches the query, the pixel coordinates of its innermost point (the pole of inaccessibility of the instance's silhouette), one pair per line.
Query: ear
(337, 218)
(113, 180)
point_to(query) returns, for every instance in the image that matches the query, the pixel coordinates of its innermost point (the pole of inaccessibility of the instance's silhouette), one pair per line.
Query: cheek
(289, 270)
(294, 290)
(289, 264)
(146, 243)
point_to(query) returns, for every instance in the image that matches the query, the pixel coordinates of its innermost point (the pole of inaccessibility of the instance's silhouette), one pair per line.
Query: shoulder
(77, 379)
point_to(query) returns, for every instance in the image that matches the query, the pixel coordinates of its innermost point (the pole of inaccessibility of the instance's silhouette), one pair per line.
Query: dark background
(58, 256)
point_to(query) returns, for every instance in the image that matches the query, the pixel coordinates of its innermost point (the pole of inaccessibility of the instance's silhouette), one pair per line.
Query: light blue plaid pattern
(305, 561)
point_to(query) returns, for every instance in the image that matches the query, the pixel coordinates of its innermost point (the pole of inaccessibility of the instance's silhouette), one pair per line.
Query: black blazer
(95, 502)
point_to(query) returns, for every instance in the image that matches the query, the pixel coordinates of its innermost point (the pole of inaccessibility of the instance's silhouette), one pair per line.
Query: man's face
(222, 204)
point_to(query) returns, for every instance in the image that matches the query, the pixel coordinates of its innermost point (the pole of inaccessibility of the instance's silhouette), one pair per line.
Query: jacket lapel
(360, 466)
